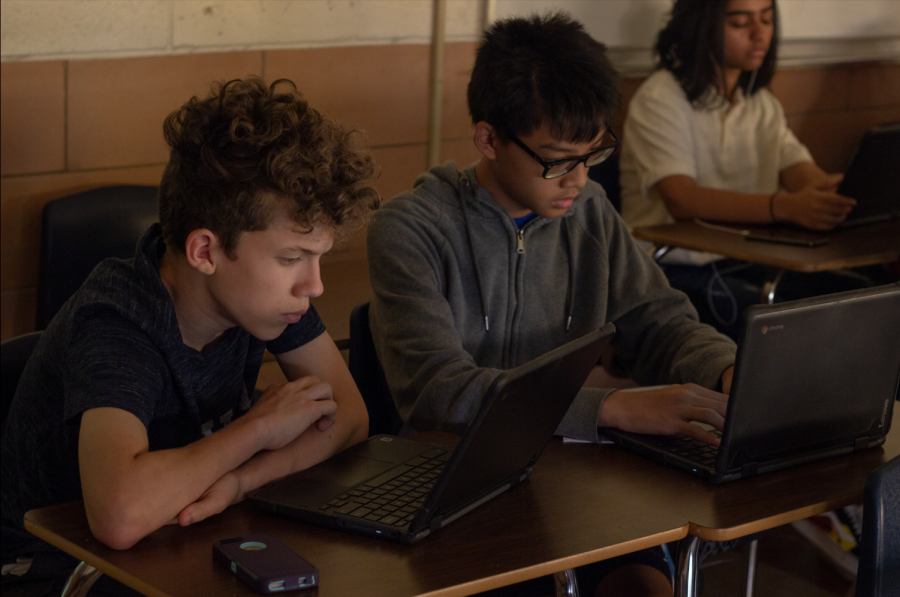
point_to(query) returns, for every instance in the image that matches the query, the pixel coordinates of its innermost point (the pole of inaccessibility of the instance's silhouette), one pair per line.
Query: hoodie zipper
(520, 241)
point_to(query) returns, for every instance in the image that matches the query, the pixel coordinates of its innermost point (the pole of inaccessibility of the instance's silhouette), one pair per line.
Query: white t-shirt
(742, 146)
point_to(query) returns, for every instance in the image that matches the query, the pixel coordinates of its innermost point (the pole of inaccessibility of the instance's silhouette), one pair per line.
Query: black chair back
(607, 174)
(879, 551)
(369, 376)
(14, 354)
(80, 231)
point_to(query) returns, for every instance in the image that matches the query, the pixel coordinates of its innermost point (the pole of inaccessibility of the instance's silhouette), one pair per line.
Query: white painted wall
(814, 30)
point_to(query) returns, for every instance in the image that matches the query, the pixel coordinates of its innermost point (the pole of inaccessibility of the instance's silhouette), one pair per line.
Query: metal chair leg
(81, 580)
(751, 567)
(565, 583)
(688, 569)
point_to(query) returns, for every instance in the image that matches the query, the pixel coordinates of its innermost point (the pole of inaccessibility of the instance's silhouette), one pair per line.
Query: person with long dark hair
(705, 139)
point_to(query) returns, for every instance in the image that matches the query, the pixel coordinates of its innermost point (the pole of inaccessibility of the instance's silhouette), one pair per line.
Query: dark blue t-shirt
(116, 343)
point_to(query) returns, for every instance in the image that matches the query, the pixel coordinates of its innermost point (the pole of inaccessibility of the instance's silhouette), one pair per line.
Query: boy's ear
(201, 249)
(486, 140)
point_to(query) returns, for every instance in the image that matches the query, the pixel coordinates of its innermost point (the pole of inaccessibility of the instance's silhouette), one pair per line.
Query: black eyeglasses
(557, 168)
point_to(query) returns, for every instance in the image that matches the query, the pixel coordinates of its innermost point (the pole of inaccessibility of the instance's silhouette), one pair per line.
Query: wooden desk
(853, 247)
(582, 504)
(746, 506)
(732, 510)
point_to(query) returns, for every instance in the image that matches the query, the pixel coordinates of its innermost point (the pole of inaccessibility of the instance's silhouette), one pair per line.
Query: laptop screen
(519, 414)
(814, 373)
(873, 178)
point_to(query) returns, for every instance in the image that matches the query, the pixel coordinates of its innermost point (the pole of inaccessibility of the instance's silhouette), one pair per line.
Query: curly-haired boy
(137, 399)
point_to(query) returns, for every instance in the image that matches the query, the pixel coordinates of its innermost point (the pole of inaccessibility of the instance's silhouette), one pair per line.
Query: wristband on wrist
(772, 206)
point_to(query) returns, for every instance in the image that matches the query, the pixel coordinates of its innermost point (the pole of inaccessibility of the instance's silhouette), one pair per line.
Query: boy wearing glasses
(482, 269)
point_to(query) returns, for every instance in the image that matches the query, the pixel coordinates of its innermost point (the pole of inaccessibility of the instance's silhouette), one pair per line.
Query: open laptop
(404, 490)
(813, 378)
(873, 179)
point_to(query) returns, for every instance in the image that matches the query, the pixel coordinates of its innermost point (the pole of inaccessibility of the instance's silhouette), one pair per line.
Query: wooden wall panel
(459, 58)
(462, 151)
(382, 89)
(399, 166)
(875, 85)
(111, 111)
(116, 108)
(32, 111)
(832, 137)
(812, 89)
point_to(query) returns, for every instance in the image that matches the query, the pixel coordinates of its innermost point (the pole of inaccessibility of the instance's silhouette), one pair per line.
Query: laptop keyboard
(394, 497)
(692, 449)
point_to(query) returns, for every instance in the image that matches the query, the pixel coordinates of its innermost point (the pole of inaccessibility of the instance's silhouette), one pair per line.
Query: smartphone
(265, 563)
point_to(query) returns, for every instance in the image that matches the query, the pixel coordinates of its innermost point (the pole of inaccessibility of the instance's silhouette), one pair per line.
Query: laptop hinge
(749, 469)
(861, 443)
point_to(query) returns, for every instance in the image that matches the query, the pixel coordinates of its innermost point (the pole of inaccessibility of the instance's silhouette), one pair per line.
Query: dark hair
(543, 70)
(692, 45)
(248, 150)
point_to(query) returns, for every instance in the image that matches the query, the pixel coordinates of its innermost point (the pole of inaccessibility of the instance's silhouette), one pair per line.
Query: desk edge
(770, 522)
(546, 568)
(86, 556)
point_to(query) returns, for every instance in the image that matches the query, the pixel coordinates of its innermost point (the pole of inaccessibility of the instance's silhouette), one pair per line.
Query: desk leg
(688, 569)
(80, 582)
(751, 567)
(770, 285)
(565, 583)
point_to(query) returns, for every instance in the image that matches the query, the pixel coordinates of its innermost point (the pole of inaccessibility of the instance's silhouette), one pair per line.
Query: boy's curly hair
(248, 150)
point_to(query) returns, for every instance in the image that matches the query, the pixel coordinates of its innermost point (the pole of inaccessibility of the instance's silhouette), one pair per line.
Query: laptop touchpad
(347, 470)
(324, 482)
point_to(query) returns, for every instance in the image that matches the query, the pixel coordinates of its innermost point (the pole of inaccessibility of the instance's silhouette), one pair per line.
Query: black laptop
(813, 378)
(403, 490)
(873, 178)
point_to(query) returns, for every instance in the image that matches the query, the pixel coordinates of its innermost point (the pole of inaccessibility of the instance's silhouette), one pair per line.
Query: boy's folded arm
(322, 359)
(319, 358)
(130, 491)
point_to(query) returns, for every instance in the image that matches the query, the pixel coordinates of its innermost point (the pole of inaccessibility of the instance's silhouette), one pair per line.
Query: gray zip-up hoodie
(460, 293)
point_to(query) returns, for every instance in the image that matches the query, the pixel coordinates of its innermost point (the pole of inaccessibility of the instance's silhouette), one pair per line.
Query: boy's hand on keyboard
(666, 411)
